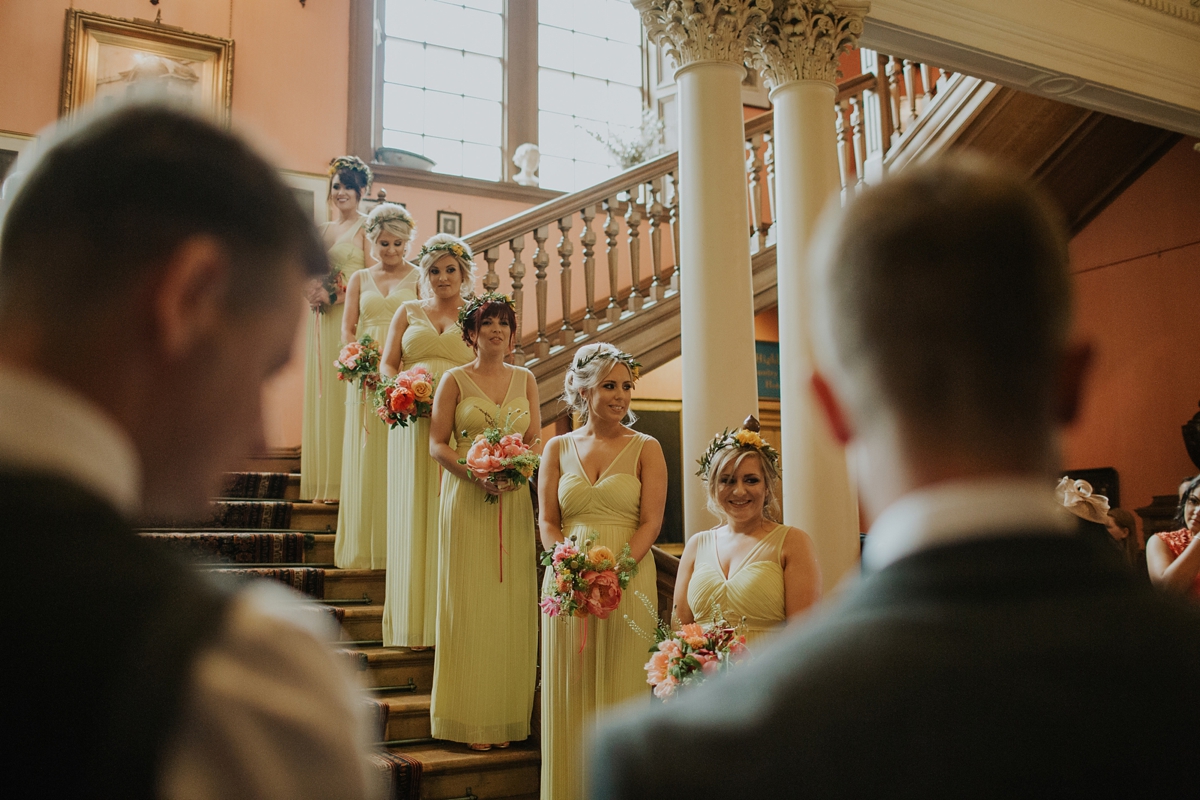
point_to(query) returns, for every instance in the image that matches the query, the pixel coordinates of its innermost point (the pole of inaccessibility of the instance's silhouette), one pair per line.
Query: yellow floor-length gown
(414, 480)
(361, 541)
(579, 685)
(324, 394)
(754, 591)
(486, 658)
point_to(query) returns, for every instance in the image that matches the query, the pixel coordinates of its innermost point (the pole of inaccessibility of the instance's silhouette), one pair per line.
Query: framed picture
(11, 146)
(106, 59)
(449, 222)
(310, 190)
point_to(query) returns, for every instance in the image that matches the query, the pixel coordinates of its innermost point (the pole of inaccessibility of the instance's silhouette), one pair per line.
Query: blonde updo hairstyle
(433, 250)
(393, 219)
(601, 357)
(730, 458)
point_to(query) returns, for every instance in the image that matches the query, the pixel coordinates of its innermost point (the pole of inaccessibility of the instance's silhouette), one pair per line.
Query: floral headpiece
(385, 213)
(456, 249)
(351, 164)
(634, 366)
(1077, 497)
(746, 438)
(474, 303)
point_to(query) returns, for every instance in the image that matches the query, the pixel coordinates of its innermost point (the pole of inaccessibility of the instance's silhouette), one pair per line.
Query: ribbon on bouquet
(500, 507)
(320, 356)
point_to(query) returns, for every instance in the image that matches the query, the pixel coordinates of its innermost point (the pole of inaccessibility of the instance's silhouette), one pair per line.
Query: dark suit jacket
(1014, 667)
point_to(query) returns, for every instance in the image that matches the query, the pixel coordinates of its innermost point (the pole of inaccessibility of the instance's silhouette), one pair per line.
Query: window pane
(402, 16)
(557, 12)
(481, 121)
(479, 161)
(444, 69)
(444, 115)
(403, 108)
(404, 141)
(495, 6)
(446, 153)
(404, 62)
(556, 134)
(554, 88)
(484, 77)
(480, 32)
(554, 48)
(557, 173)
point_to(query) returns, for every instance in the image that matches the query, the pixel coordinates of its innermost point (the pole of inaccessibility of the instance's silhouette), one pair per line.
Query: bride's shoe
(502, 745)
(480, 746)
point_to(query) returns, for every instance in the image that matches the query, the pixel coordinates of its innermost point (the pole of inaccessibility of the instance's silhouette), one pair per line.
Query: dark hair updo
(484, 311)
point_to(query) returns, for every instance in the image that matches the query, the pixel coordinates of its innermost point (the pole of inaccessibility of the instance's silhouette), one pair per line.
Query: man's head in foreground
(151, 262)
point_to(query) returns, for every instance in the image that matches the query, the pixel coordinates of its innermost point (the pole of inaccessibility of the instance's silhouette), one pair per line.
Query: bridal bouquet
(588, 578)
(358, 361)
(689, 655)
(405, 398)
(498, 454)
(333, 285)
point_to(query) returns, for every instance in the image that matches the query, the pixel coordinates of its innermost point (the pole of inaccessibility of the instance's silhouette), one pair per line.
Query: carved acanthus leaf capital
(802, 40)
(701, 30)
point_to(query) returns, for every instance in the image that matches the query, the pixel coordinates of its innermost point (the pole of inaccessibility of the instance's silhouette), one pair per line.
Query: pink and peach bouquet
(359, 361)
(687, 656)
(405, 398)
(588, 578)
(498, 455)
(333, 287)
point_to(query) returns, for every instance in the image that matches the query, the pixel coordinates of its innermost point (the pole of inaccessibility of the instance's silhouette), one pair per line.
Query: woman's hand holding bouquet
(588, 578)
(405, 398)
(359, 361)
(500, 460)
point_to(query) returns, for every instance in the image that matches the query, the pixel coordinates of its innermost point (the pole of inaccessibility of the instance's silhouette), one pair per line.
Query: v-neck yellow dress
(753, 591)
(587, 672)
(324, 395)
(414, 480)
(486, 660)
(361, 541)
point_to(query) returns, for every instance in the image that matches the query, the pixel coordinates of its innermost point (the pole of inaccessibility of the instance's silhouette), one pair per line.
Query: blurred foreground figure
(151, 267)
(987, 647)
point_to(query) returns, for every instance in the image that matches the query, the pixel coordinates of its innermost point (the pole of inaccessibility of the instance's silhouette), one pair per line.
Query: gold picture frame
(109, 58)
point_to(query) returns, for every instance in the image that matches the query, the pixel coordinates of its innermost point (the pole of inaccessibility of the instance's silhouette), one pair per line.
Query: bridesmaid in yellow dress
(424, 333)
(752, 567)
(607, 478)
(372, 299)
(486, 663)
(324, 395)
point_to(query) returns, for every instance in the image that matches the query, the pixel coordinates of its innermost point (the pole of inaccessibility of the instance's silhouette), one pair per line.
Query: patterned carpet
(260, 514)
(236, 548)
(256, 485)
(307, 580)
(401, 775)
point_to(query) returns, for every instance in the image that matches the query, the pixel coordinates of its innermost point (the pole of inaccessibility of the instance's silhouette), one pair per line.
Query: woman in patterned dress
(1173, 557)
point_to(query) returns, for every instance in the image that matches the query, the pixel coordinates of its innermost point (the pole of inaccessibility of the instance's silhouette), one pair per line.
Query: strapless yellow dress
(414, 479)
(361, 541)
(753, 593)
(324, 394)
(580, 685)
(485, 665)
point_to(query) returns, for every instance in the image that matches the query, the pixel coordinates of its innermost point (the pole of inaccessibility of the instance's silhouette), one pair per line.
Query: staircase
(896, 112)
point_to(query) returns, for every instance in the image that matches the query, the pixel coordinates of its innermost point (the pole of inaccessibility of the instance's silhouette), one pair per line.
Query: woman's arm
(549, 513)
(1172, 573)
(441, 427)
(682, 610)
(535, 414)
(350, 319)
(801, 574)
(654, 499)
(360, 239)
(393, 357)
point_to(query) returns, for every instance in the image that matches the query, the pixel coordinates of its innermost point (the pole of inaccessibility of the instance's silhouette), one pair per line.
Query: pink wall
(1137, 278)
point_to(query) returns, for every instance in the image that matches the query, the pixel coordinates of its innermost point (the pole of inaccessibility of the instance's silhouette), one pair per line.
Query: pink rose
(656, 668)
(480, 459)
(603, 593)
(671, 648)
(710, 666)
(564, 550)
(666, 689)
(551, 606)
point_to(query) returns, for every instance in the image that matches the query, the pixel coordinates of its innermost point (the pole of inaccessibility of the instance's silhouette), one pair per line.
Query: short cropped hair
(109, 199)
(943, 296)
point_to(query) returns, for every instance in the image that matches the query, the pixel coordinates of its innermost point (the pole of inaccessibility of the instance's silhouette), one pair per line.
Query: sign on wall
(767, 356)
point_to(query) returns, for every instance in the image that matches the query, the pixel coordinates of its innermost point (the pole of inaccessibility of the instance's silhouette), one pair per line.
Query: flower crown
(634, 366)
(474, 303)
(746, 438)
(351, 164)
(385, 213)
(456, 249)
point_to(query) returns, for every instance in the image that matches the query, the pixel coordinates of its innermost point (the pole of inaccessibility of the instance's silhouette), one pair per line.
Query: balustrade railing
(628, 226)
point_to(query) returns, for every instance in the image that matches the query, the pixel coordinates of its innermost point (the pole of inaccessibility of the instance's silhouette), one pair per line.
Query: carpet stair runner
(259, 529)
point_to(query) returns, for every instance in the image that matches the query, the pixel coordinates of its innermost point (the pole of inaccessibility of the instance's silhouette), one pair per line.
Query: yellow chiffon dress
(486, 659)
(754, 591)
(591, 665)
(361, 541)
(414, 480)
(324, 394)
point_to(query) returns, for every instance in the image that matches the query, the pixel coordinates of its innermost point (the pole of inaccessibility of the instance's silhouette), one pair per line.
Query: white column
(707, 42)
(797, 50)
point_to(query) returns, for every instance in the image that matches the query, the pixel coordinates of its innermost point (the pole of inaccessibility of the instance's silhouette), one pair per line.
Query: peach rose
(480, 459)
(422, 389)
(656, 668)
(401, 401)
(666, 689)
(601, 555)
(603, 594)
(693, 634)
(511, 446)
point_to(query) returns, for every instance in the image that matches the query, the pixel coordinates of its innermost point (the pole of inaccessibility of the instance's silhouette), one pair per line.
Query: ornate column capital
(802, 40)
(703, 30)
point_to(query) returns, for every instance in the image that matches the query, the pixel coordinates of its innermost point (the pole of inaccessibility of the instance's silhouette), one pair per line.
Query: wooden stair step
(261, 486)
(352, 584)
(316, 517)
(406, 715)
(360, 623)
(451, 770)
(239, 547)
(275, 459)
(392, 666)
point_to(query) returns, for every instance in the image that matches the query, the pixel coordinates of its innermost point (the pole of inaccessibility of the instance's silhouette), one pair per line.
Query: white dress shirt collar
(950, 513)
(45, 427)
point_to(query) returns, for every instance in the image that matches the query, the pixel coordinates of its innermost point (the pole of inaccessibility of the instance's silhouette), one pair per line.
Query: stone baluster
(655, 214)
(944, 76)
(491, 281)
(633, 218)
(893, 82)
(860, 144)
(842, 148)
(516, 273)
(675, 230)
(769, 161)
(566, 334)
(541, 259)
(612, 207)
(754, 168)
(910, 87)
(927, 86)
(587, 240)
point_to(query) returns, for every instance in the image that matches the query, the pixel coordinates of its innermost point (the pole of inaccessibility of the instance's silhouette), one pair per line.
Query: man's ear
(188, 300)
(831, 409)
(1073, 372)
